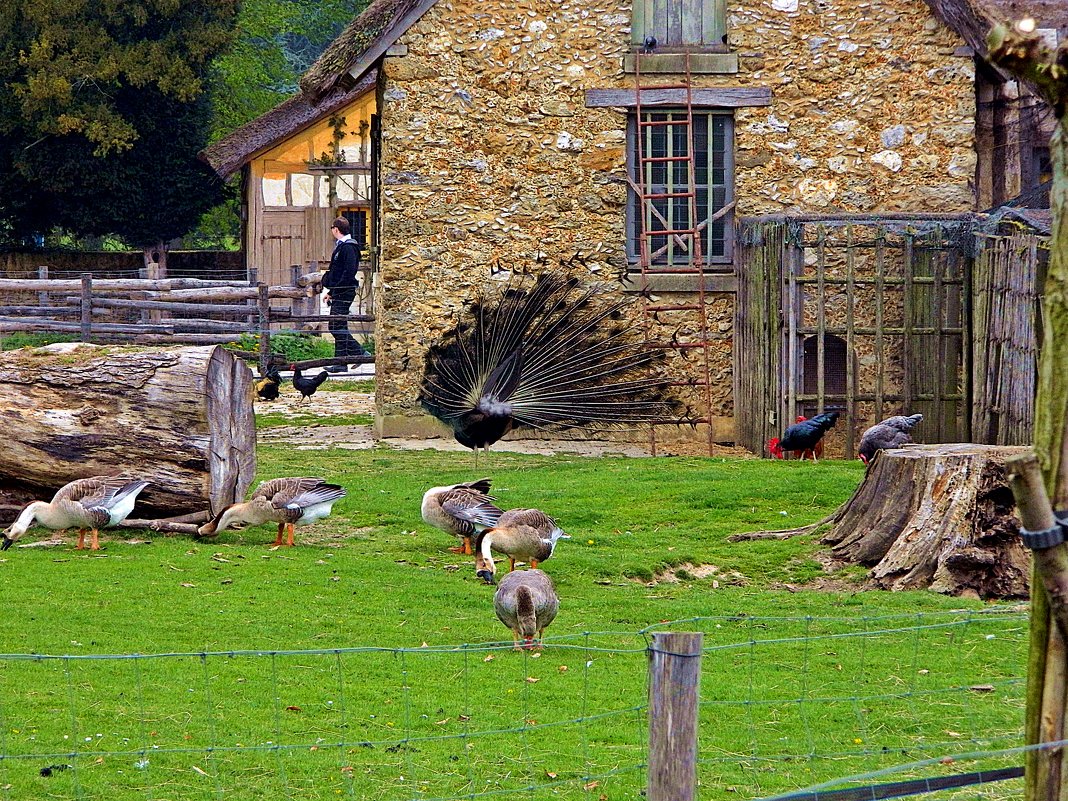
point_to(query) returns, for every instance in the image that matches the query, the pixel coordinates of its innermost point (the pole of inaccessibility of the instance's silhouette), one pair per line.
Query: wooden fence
(1008, 272)
(160, 310)
(878, 316)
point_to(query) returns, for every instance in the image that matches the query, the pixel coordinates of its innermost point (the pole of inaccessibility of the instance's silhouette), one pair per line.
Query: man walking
(340, 282)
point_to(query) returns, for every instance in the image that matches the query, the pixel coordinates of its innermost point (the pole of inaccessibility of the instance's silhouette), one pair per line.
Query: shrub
(292, 347)
(27, 340)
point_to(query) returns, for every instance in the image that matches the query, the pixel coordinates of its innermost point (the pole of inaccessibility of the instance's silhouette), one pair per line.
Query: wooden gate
(867, 316)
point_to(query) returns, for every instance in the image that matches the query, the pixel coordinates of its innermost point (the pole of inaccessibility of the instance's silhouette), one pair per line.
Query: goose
(529, 535)
(87, 504)
(461, 509)
(288, 502)
(526, 603)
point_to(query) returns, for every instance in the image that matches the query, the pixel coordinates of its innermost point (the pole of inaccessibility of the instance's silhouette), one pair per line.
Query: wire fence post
(674, 684)
(87, 306)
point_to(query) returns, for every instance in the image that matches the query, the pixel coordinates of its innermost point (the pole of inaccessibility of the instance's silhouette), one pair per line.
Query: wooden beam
(725, 97)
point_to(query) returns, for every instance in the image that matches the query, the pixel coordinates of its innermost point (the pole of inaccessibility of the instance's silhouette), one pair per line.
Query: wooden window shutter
(680, 23)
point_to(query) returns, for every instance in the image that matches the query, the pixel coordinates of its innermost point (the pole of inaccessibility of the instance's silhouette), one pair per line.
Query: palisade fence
(821, 709)
(155, 309)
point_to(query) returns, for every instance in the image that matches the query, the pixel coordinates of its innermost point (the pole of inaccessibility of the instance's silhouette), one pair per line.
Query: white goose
(87, 504)
(288, 502)
(526, 602)
(528, 535)
(461, 509)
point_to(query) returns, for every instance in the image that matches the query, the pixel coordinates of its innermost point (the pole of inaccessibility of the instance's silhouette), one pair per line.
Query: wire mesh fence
(785, 704)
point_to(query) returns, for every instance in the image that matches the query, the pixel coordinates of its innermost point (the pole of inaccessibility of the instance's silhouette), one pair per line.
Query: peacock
(550, 355)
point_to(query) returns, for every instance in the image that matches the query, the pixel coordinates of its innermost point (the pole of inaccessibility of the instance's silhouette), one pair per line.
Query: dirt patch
(691, 572)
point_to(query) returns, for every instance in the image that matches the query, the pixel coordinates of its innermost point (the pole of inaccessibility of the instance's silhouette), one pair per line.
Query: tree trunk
(938, 517)
(180, 418)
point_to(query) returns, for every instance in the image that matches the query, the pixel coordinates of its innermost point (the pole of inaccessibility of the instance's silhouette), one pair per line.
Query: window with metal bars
(713, 184)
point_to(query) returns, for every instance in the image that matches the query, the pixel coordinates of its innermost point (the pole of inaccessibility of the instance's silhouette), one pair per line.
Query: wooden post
(1028, 56)
(296, 305)
(87, 306)
(265, 327)
(674, 681)
(42, 275)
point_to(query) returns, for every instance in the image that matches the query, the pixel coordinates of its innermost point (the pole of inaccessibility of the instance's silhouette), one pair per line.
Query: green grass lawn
(367, 660)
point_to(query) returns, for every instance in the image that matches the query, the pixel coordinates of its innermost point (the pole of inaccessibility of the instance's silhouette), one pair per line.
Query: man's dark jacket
(340, 279)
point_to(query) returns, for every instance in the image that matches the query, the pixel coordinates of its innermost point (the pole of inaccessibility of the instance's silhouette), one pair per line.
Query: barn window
(713, 167)
(834, 368)
(680, 23)
(274, 189)
(302, 187)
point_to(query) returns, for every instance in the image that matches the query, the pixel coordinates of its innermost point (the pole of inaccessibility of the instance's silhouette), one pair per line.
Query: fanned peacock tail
(556, 355)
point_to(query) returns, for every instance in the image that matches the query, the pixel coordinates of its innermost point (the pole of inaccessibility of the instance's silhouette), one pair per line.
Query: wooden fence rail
(166, 310)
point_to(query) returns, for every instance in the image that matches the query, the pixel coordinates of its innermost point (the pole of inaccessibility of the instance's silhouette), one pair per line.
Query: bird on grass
(892, 432)
(528, 535)
(288, 502)
(307, 386)
(526, 602)
(87, 504)
(554, 355)
(804, 435)
(461, 509)
(267, 387)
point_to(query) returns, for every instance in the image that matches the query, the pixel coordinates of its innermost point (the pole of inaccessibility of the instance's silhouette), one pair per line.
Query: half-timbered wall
(293, 195)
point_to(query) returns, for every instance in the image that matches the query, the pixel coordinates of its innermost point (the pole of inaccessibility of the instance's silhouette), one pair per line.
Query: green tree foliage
(277, 41)
(103, 112)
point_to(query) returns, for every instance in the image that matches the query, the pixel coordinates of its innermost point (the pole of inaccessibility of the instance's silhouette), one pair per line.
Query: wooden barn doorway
(866, 316)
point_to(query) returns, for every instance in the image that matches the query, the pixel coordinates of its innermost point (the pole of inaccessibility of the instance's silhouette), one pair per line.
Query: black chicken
(554, 355)
(307, 386)
(268, 386)
(892, 432)
(805, 435)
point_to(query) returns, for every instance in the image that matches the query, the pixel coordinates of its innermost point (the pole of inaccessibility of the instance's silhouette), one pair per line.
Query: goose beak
(486, 576)
(6, 543)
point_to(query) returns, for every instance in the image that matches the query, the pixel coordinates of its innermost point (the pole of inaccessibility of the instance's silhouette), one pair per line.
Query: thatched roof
(228, 155)
(362, 43)
(973, 19)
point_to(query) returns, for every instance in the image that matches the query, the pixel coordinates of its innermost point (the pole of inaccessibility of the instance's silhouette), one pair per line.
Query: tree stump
(180, 418)
(936, 516)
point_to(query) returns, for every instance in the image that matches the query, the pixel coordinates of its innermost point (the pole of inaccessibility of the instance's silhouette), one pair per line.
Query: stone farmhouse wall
(490, 158)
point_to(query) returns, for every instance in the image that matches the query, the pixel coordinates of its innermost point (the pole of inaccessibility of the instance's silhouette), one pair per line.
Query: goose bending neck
(28, 515)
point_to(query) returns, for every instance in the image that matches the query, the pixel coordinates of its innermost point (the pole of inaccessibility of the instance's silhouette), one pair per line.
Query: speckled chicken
(528, 535)
(87, 504)
(892, 432)
(462, 510)
(526, 602)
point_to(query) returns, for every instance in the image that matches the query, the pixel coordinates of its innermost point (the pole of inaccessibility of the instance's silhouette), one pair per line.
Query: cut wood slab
(179, 417)
(938, 517)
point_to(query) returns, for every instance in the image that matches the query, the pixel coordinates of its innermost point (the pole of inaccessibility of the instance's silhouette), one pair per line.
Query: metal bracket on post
(1046, 537)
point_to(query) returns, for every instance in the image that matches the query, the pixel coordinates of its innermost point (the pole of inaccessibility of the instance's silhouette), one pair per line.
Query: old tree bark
(938, 517)
(180, 418)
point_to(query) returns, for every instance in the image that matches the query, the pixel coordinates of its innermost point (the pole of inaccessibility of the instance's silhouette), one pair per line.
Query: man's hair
(342, 225)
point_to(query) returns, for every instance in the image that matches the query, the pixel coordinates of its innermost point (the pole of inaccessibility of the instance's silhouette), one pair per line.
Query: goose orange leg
(281, 529)
(81, 539)
(511, 564)
(95, 542)
(533, 564)
(289, 539)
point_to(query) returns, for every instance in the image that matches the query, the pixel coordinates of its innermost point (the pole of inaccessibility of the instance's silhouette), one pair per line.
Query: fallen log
(180, 418)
